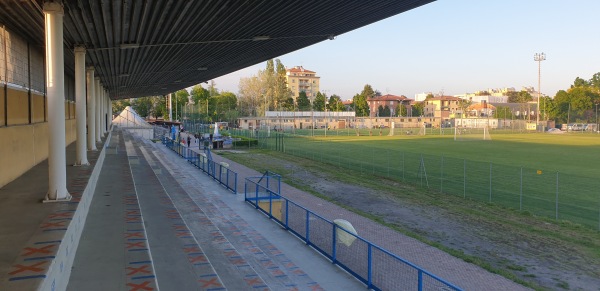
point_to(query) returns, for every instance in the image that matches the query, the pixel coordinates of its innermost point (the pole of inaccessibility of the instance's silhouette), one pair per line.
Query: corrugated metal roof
(153, 47)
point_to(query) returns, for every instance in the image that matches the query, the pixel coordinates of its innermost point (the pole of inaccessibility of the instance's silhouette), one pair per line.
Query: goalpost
(466, 134)
(423, 130)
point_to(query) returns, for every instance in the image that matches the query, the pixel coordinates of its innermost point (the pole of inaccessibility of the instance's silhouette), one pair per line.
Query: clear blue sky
(456, 46)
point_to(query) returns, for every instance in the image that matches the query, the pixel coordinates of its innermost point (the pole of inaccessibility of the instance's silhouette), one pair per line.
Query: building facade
(441, 107)
(300, 79)
(392, 102)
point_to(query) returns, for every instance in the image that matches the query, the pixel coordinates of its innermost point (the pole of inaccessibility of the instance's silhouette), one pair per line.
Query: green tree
(368, 91)
(335, 103)
(288, 104)
(319, 102)
(303, 102)
(579, 82)
(561, 103)
(180, 99)
(360, 105)
(199, 94)
(386, 111)
(250, 93)
(503, 112)
(401, 110)
(119, 105)
(221, 105)
(595, 81)
(282, 93)
(143, 106)
(417, 109)
(519, 97)
(160, 106)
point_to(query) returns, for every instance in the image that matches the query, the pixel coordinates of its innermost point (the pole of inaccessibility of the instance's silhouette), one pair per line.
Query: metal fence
(219, 171)
(541, 192)
(374, 266)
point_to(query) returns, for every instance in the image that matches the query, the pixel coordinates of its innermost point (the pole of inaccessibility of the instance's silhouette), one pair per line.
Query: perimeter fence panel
(579, 200)
(320, 234)
(354, 258)
(506, 185)
(389, 273)
(296, 219)
(539, 192)
(413, 173)
(453, 176)
(477, 181)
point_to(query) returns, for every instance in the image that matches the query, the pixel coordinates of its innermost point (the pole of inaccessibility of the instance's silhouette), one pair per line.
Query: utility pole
(539, 57)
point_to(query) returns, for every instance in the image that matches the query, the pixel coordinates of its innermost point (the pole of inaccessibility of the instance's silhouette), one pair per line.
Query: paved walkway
(157, 222)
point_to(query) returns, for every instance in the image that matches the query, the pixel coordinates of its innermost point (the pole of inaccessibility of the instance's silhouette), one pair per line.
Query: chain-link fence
(541, 192)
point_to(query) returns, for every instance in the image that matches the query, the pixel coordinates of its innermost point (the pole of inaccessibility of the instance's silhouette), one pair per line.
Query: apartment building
(390, 101)
(300, 79)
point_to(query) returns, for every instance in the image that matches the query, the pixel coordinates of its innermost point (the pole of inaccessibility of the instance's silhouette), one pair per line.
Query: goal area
(468, 134)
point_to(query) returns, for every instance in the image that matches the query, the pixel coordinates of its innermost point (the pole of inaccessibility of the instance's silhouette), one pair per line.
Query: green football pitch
(553, 175)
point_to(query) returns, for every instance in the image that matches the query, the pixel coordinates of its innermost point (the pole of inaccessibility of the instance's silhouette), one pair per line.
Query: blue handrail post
(370, 267)
(286, 214)
(256, 194)
(227, 179)
(220, 172)
(420, 287)
(307, 227)
(270, 204)
(235, 180)
(333, 244)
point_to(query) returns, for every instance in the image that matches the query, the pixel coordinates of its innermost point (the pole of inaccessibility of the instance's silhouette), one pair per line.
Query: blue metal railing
(217, 171)
(371, 264)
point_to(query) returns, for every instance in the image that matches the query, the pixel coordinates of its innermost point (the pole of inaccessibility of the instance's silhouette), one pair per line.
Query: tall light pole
(539, 57)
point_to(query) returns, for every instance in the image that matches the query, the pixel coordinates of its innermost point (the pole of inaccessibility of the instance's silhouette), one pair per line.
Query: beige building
(441, 107)
(300, 79)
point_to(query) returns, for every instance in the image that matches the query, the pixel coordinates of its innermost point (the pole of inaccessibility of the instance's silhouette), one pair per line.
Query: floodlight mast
(539, 57)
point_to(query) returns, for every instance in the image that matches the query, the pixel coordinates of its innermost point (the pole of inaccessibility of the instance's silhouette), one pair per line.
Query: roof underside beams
(153, 47)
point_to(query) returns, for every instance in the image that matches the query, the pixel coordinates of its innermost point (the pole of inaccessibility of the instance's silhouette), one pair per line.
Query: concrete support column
(91, 117)
(110, 112)
(102, 105)
(104, 116)
(80, 115)
(98, 104)
(55, 88)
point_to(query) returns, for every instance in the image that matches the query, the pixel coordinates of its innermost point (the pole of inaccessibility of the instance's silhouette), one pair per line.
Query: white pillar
(170, 107)
(91, 117)
(102, 106)
(105, 116)
(97, 100)
(80, 114)
(55, 88)
(110, 113)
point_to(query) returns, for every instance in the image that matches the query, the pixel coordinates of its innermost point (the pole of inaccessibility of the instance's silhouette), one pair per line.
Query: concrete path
(157, 222)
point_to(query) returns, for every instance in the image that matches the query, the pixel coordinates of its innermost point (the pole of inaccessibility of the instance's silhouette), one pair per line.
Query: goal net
(467, 134)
